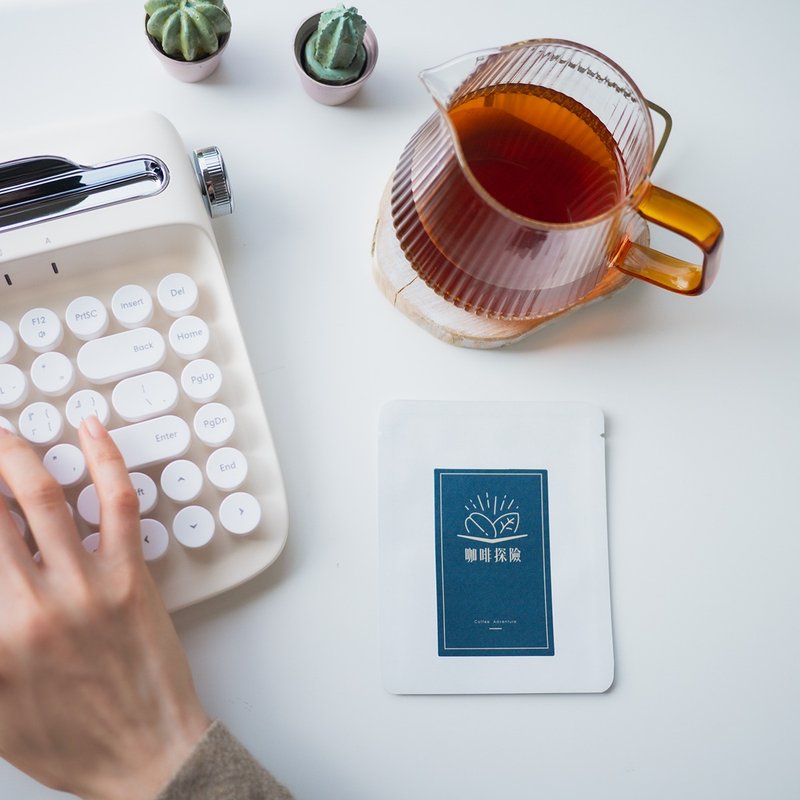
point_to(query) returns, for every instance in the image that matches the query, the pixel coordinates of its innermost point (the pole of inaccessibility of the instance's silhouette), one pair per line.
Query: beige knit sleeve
(220, 768)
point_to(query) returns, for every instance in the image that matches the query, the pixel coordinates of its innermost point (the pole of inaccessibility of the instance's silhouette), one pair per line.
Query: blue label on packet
(493, 563)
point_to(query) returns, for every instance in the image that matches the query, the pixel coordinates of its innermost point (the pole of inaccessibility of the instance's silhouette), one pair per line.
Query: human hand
(96, 695)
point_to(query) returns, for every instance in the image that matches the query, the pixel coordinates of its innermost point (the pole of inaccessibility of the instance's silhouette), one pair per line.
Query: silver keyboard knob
(214, 184)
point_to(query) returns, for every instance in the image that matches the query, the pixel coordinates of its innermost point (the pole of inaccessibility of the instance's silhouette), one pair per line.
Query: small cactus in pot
(335, 52)
(188, 35)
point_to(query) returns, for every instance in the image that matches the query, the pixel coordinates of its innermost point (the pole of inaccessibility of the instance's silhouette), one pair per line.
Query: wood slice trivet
(403, 287)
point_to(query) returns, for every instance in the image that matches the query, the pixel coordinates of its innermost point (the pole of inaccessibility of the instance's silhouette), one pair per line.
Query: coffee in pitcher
(540, 153)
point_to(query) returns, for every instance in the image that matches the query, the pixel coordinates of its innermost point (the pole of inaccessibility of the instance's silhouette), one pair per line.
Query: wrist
(150, 766)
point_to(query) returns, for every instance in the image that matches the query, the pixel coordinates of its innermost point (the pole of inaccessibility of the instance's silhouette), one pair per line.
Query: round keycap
(41, 423)
(214, 424)
(240, 513)
(201, 380)
(155, 539)
(227, 468)
(86, 403)
(182, 481)
(91, 543)
(65, 463)
(189, 337)
(8, 425)
(86, 317)
(41, 329)
(13, 386)
(52, 373)
(132, 306)
(145, 490)
(177, 294)
(89, 505)
(8, 342)
(193, 526)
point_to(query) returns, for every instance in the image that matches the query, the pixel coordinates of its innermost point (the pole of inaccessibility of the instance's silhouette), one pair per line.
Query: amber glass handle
(687, 219)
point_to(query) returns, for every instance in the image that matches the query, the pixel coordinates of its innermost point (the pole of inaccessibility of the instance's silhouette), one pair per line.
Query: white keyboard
(135, 325)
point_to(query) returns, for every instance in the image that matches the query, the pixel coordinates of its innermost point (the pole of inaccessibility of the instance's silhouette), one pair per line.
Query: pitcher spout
(444, 81)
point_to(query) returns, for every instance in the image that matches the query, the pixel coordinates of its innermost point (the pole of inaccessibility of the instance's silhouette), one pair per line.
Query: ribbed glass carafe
(492, 255)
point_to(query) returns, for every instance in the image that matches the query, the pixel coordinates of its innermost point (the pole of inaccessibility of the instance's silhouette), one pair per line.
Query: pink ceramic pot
(188, 71)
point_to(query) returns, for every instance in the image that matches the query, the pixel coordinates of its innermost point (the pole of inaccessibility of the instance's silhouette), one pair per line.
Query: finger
(42, 501)
(15, 558)
(119, 505)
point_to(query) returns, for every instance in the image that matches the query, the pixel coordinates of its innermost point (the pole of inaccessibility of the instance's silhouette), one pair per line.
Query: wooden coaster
(404, 288)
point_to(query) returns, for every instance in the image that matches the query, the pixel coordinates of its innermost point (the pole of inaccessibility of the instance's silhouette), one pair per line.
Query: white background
(700, 395)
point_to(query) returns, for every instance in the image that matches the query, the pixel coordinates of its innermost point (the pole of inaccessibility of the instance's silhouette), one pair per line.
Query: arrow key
(240, 513)
(193, 526)
(155, 539)
(182, 481)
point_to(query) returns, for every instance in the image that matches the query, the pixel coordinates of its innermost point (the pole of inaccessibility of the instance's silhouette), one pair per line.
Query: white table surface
(701, 398)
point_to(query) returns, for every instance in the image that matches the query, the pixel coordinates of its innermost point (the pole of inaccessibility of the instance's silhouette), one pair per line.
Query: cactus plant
(187, 29)
(335, 53)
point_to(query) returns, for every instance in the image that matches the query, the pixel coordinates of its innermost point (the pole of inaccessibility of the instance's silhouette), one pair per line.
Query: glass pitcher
(524, 190)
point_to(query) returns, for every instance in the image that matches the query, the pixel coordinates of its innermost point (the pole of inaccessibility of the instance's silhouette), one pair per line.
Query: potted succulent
(188, 35)
(335, 52)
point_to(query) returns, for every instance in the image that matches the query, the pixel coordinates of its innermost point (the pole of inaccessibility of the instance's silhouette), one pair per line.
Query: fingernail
(93, 426)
